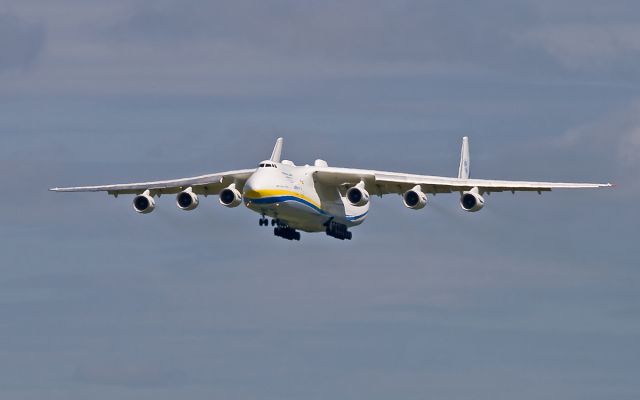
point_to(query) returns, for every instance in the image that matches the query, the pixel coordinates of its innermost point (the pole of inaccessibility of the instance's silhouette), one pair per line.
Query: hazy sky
(534, 297)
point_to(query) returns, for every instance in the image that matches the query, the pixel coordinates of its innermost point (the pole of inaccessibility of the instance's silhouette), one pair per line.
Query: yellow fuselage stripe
(263, 193)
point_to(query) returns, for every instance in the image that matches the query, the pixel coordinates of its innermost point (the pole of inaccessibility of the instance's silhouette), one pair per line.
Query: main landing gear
(286, 233)
(337, 230)
(281, 229)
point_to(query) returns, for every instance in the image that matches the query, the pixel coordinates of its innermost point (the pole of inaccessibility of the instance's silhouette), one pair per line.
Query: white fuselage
(318, 198)
(290, 194)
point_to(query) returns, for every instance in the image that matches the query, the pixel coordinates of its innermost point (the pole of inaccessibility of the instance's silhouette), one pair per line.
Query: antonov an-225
(318, 198)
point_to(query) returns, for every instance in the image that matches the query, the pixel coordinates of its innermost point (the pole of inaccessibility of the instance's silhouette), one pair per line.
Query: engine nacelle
(230, 197)
(187, 200)
(144, 203)
(471, 201)
(414, 199)
(358, 196)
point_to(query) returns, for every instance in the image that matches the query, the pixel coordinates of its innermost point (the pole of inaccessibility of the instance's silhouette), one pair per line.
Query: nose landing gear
(265, 221)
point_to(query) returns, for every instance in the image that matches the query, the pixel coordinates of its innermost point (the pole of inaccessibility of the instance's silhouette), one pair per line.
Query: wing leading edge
(204, 184)
(383, 182)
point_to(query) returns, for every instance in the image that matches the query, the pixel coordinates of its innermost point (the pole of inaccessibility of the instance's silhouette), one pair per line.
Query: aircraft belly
(308, 210)
(295, 214)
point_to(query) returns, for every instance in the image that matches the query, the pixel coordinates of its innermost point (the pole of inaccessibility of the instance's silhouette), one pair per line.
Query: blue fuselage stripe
(356, 217)
(282, 199)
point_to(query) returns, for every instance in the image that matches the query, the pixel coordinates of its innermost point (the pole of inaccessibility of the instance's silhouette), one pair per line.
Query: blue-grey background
(534, 297)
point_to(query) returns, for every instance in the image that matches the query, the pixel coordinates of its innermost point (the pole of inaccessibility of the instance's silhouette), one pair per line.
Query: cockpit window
(267, 165)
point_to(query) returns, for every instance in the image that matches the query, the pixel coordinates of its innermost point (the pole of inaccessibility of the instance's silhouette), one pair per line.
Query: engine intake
(230, 196)
(471, 201)
(144, 203)
(358, 196)
(414, 198)
(187, 200)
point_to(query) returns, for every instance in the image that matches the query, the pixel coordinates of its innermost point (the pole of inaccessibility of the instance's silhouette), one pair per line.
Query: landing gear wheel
(286, 232)
(260, 221)
(273, 222)
(337, 230)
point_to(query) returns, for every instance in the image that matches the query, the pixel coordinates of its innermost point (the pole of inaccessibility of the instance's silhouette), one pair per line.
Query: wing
(382, 182)
(204, 184)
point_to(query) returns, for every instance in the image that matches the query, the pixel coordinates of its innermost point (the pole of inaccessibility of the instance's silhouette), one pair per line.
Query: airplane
(318, 198)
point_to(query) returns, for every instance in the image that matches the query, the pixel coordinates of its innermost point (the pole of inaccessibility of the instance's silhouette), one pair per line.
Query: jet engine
(471, 201)
(187, 200)
(357, 195)
(230, 196)
(144, 203)
(414, 198)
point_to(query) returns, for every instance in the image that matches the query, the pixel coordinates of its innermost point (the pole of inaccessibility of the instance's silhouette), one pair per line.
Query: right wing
(204, 184)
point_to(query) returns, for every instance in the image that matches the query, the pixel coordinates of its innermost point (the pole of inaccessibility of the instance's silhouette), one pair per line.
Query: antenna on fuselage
(277, 151)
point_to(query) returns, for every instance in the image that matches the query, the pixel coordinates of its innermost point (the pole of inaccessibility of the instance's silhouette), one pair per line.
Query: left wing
(204, 184)
(382, 182)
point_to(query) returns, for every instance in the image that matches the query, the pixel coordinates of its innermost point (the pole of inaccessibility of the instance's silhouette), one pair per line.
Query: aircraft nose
(248, 185)
(251, 186)
(259, 181)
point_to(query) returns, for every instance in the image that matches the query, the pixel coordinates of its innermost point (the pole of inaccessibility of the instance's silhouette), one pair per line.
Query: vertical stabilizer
(277, 151)
(463, 171)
